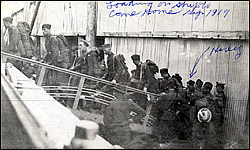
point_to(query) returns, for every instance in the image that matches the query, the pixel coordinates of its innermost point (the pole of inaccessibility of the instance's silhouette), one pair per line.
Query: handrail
(31, 125)
(77, 74)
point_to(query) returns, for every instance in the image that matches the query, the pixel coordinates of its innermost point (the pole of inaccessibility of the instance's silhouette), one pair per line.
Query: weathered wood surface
(181, 55)
(159, 25)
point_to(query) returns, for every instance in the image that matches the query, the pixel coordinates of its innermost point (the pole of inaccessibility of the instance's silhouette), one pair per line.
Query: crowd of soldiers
(191, 112)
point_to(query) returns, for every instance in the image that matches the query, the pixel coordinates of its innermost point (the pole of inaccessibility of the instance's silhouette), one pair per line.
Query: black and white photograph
(124, 74)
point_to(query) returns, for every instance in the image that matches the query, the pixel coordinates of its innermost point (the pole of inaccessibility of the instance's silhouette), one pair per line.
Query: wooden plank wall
(68, 18)
(160, 23)
(180, 56)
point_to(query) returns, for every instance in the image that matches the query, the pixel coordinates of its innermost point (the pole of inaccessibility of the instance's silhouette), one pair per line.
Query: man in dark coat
(52, 56)
(117, 118)
(144, 75)
(203, 131)
(143, 79)
(167, 113)
(220, 104)
(117, 70)
(122, 75)
(14, 44)
(110, 62)
(163, 81)
(80, 62)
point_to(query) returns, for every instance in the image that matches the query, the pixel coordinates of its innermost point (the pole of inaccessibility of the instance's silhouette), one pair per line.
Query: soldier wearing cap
(220, 104)
(203, 131)
(13, 43)
(163, 81)
(166, 113)
(110, 62)
(197, 95)
(144, 75)
(117, 118)
(52, 56)
(189, 91)
(80, 61)
(143, 79)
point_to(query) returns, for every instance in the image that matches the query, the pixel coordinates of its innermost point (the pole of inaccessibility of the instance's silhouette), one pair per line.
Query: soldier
(220, 104)
(52, 56)
(122, 75)
(80, 62)
(93, 61)
(25, 32)
(144, 75)
(117, 118)
(167, 113)
(143, 79)
(203, 130)
(163, 81)
(197, 93)
(14, 44)
(190, 90)
(110, 63)
(180, 88)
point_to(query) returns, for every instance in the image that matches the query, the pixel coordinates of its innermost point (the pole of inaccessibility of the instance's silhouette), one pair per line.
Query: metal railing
(147, 121)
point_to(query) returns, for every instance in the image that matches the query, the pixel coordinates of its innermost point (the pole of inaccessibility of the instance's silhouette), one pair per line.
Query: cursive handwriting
(228, 49)
(216, 50)
(197, 9)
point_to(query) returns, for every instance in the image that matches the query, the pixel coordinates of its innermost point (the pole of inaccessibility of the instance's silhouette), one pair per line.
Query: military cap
(8, 19)
(191, 82)
(104, 46)
(135, 57)
(208, 85)
(164, 71)
(85, 42)
(47, 26)
(220, 85)
(199, 82)
(178, 77)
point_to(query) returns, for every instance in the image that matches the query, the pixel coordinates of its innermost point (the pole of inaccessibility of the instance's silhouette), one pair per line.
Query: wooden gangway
(88, 95)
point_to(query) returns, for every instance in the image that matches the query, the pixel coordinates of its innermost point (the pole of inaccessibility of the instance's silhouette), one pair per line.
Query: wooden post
(41, 76)
(78, 94)
(34, 16)
(91, 23)
(148, 110)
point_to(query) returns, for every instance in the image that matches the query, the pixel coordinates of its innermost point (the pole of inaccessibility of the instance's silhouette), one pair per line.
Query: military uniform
(166, 115)
(14, 43)
(111, 67)
(94, 65)
(51, 58)
(122, 75)
(116, 119)
(220, 104)
(204, 132)
(24, 30)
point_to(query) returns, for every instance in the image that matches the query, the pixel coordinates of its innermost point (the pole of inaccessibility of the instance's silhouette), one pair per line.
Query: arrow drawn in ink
(193, 72)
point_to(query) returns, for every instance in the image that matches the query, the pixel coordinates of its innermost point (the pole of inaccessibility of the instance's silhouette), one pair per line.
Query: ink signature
(216, 50)
(197, 9)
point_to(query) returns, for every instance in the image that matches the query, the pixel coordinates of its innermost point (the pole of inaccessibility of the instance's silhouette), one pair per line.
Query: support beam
(34, 16)
(91, 23)
(79, 92)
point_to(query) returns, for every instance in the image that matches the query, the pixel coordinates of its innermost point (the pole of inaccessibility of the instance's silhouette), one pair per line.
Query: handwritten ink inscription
(216, 50)
(171, 8)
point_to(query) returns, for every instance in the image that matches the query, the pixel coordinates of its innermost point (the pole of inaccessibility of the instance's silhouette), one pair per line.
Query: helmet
(204, 115)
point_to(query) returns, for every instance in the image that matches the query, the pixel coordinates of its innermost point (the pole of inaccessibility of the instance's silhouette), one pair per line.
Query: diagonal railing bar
(63, 70)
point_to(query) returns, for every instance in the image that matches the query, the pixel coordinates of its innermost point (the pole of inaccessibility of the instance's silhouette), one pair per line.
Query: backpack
(27, 41)
(153, 67)
(64, 51)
